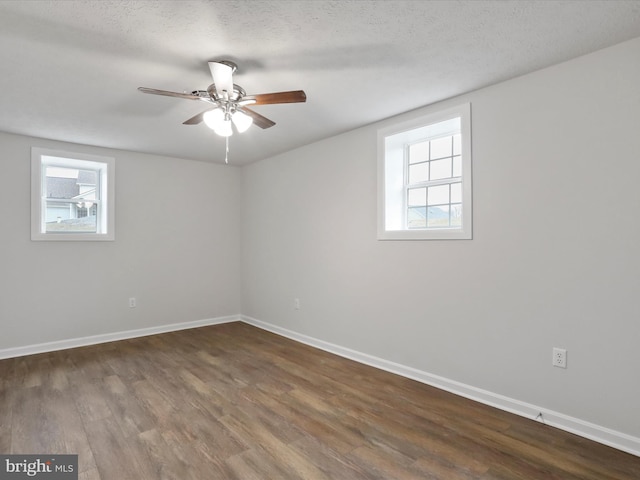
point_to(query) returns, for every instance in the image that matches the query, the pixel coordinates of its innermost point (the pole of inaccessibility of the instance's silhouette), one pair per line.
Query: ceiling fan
(230, 102)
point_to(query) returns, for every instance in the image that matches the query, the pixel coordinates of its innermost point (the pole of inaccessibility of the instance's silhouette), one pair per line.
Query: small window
(424, 177)
(72, 196)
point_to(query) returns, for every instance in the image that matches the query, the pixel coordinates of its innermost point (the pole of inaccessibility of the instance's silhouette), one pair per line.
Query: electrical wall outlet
(296, 304)
(559, 357)
(132, 302)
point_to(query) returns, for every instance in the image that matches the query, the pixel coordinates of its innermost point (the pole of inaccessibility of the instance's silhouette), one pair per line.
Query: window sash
(393, 169)
(410, 210)
(100, 227)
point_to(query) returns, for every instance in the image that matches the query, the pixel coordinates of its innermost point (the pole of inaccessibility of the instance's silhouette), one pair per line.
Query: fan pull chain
(226, 153)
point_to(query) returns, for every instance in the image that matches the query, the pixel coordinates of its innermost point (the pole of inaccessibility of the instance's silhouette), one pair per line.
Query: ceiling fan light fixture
(219, 121)
(224, 128)
(242, 121)
(213, 118)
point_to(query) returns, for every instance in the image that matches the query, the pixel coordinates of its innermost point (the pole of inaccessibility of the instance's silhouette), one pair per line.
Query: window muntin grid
(433, 183)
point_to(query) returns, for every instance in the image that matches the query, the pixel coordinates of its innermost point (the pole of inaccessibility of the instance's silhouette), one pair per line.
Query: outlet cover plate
(559, 357)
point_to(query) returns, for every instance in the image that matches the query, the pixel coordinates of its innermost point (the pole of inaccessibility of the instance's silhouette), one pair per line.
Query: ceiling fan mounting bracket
(228, 63)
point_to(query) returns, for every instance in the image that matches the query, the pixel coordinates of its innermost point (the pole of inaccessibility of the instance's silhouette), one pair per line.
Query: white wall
(554, 260)
(176, 250)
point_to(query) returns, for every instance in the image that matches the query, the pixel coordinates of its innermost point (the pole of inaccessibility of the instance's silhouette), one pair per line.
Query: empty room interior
(320, 240)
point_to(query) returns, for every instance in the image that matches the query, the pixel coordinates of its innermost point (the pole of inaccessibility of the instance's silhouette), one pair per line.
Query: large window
(424, 177)
(72, 196)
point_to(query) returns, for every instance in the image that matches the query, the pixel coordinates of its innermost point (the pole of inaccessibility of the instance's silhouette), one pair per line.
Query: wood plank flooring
(234, 402)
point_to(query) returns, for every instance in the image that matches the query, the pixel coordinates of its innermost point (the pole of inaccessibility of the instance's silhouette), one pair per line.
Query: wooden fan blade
(195, 120)
(168, 94)
(294, 96)
(258, 120)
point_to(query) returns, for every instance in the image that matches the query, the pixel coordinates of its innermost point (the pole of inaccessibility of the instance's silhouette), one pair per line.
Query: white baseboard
(111, 337)
(606, 436)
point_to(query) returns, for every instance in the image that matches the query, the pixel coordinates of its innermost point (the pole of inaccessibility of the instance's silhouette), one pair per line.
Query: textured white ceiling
(70, 69)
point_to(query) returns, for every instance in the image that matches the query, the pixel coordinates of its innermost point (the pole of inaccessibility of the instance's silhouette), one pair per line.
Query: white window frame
(104, 166)
(393, 144)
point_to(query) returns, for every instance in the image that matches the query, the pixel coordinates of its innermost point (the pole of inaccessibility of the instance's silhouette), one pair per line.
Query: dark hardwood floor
(235, 402)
